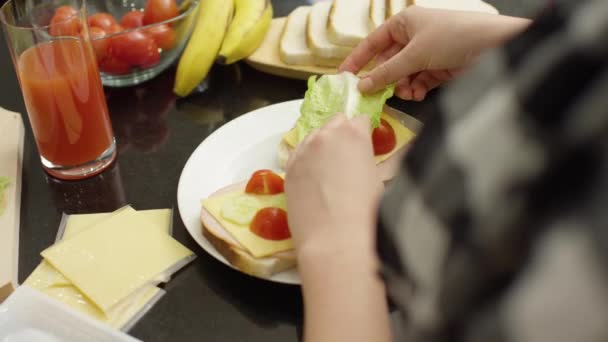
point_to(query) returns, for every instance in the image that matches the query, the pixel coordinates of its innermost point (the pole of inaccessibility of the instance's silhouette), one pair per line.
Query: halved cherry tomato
(265, 182)
(66, 11)
(163, 35)
(113, 65)
(135, 48)
(100, 44)
(65, 23)
(159, 10)
(132, 19)
(271, 224)
(102, 20)
(384, 138)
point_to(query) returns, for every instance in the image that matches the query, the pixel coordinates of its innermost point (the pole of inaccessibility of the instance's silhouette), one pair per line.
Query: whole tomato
(65, 22)
(102, 20)
(163, 35)
(100, 44)
(159, 10)
(113, 65)
(132, 19)
(135, 48)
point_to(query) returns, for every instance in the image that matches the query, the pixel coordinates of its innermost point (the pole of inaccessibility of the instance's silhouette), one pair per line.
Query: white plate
(229, 155)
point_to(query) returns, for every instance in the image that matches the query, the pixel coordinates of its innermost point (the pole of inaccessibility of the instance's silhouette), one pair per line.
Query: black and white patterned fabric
(496, 228)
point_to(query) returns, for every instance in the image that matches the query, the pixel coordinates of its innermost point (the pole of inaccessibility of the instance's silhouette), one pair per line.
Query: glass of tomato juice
(55, 63)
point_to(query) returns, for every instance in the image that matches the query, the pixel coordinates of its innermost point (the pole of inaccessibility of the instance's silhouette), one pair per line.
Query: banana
(214, 17)
(247, 31)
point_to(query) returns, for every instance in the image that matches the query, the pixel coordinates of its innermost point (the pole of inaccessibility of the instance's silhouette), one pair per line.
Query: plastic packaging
(29, 316)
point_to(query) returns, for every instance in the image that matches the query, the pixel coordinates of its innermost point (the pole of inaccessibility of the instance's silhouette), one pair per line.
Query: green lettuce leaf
(331, 94)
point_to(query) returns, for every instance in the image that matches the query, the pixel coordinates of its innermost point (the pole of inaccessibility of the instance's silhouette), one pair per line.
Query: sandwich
(332, 94)
(247, 224)
(348, 22)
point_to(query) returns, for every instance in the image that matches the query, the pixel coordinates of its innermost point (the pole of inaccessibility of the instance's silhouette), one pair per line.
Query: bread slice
(396, 6)
(460, 5)
(317, 37)
(377, 13)
(235, 253)
(349, 22)
(293, 48)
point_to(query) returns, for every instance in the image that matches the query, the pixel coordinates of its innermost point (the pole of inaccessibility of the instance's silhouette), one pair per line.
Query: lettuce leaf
(331, 94)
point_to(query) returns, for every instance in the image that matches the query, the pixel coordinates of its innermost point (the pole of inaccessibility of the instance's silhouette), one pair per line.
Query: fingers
(375, 43)
(389, 53)
(400, 66)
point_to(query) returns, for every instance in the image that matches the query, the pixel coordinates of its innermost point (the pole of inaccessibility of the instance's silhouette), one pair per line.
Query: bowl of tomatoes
(135, 40)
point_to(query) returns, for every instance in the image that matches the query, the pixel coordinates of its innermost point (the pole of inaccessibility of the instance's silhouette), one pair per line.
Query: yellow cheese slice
(116, 257)
(257, 246)
(403, 134)
(49, 281)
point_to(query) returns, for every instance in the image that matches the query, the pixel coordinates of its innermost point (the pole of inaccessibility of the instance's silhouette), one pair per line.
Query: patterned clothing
(496, 229)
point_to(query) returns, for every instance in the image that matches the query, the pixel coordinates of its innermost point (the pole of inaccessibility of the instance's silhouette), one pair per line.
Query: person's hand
(420, 48)
(332, 187)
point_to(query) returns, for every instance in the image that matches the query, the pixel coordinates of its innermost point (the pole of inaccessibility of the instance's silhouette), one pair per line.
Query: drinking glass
(61, 86)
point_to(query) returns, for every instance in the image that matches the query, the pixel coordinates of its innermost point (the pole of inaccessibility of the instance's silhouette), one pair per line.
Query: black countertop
(207, 301)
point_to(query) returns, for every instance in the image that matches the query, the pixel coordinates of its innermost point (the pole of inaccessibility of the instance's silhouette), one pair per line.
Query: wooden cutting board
(11, 159)
(267, 59)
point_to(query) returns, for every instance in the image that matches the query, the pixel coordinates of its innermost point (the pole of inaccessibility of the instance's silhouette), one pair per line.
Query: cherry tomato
(271, 224)
(135, 48)
(66, 11)
(102, 20)
(115, 29)
(163, 35)
(159, 10)
(265, 182)
(132, 19)
(384, 138)
(100, 44)
(113, 65)
(65, 23)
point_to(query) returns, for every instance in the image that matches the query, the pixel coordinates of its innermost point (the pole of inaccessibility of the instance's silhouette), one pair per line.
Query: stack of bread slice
(325, 33)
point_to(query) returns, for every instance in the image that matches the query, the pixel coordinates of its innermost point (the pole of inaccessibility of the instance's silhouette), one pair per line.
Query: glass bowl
(182, 26)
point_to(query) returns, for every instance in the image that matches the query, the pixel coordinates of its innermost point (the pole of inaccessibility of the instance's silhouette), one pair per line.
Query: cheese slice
(403, 134)
(460, 5)
(116, 257)
(257, 246)
(46, 279)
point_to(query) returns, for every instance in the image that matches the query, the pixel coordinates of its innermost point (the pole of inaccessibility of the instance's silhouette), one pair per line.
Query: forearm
(344, 298)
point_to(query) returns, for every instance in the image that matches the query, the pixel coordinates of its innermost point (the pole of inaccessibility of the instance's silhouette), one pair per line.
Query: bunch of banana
(218, 35)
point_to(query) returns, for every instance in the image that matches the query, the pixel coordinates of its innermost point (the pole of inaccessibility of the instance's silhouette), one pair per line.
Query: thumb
(401, 65)
(362, 123)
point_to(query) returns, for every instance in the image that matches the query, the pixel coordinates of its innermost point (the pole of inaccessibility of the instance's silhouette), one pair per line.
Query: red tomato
(163, 35)
(159, 10)
(384, 138)
(100, 44)
(132, 19)
(102, 20)
(66, 11)
(265, 182)
(64, 23)
(271, 224)
(113, 65)
(135, 48)
(115, 29)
